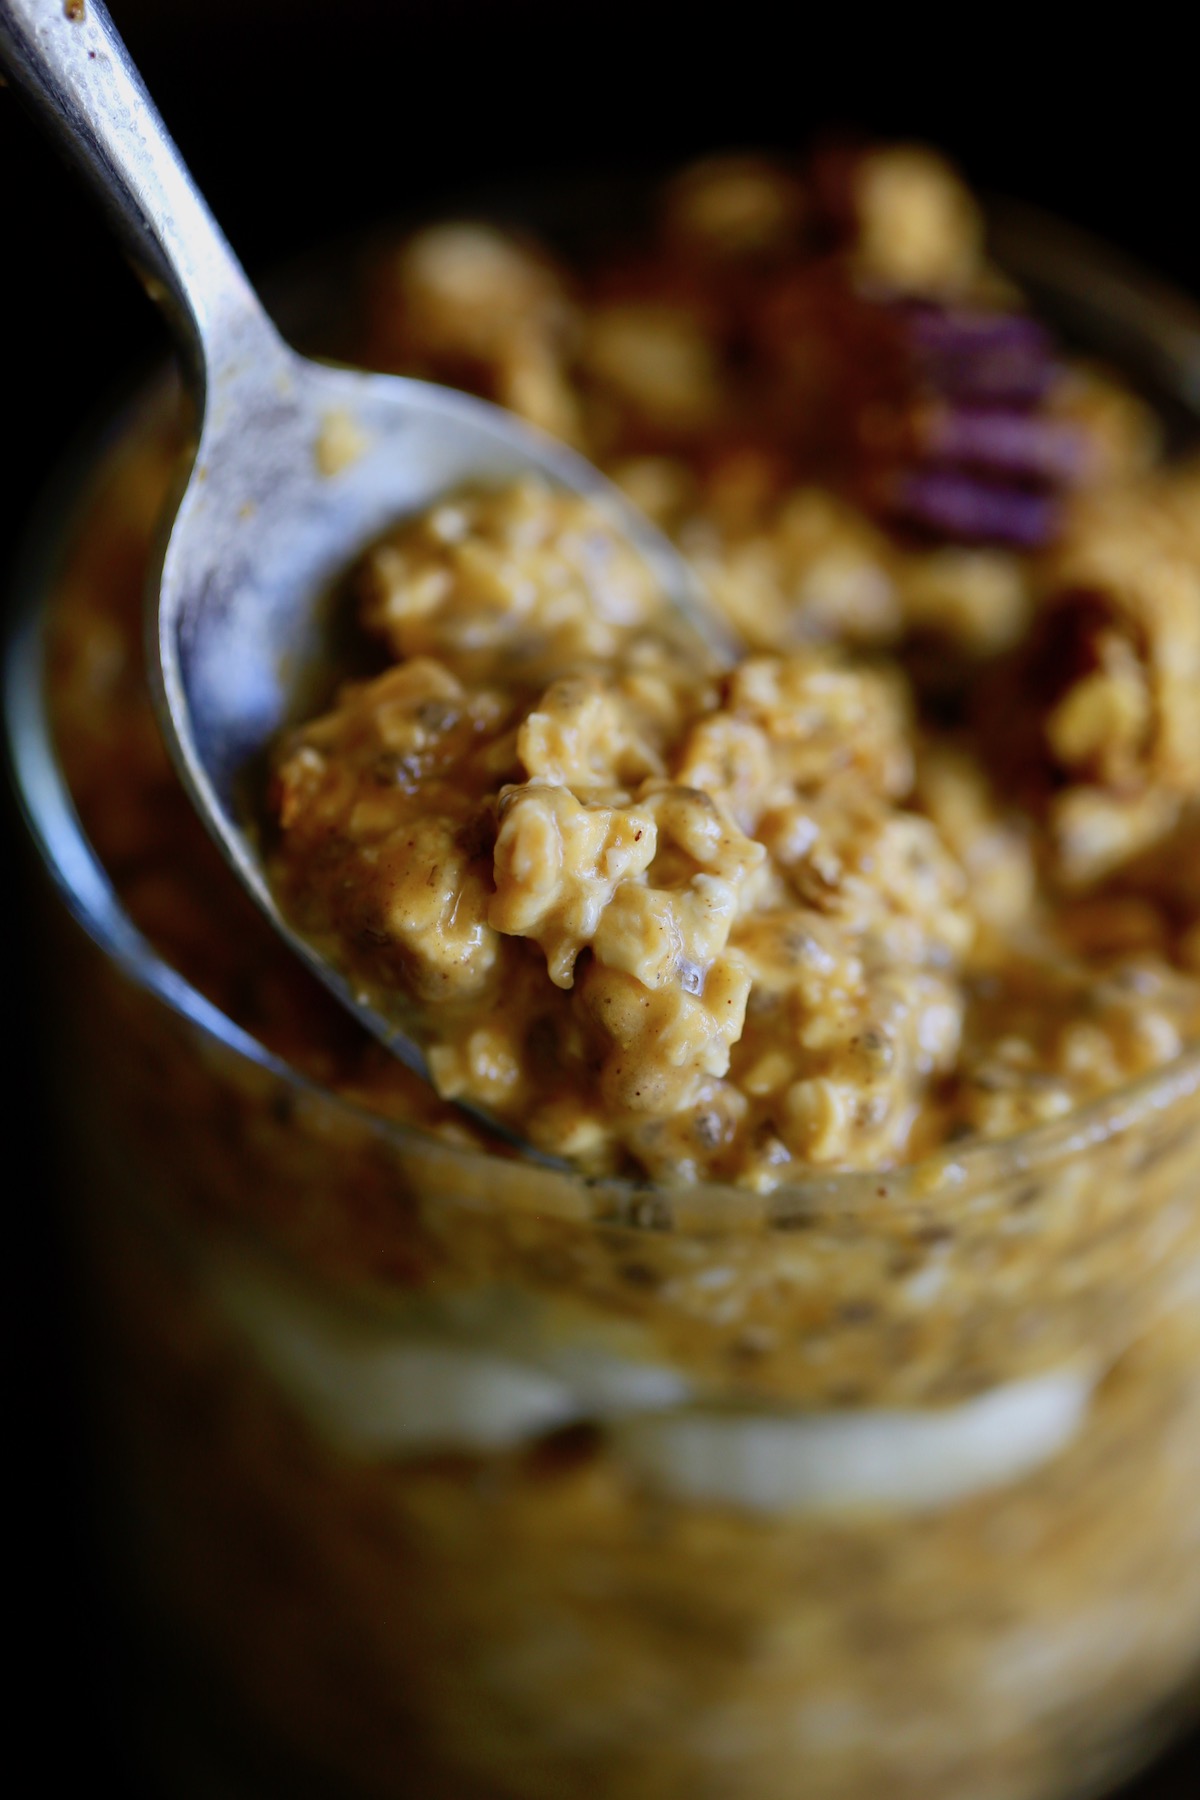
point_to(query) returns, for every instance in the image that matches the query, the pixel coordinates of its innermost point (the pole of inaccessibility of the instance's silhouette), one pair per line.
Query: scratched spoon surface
(263, 529)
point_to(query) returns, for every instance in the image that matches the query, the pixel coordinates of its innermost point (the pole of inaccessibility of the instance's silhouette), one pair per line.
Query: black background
(302, 118)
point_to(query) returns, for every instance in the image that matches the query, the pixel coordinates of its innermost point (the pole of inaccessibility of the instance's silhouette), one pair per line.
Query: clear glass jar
(444, 1474)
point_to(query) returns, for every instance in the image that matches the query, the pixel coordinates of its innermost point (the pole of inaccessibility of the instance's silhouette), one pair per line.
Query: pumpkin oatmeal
(834, 1420)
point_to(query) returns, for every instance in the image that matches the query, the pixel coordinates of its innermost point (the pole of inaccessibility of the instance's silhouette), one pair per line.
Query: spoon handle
(69, 61)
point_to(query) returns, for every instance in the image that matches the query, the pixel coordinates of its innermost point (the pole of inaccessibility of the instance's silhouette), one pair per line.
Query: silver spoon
(261, 533)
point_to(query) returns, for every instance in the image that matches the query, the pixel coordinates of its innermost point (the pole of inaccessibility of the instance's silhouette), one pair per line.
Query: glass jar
(440, 1473)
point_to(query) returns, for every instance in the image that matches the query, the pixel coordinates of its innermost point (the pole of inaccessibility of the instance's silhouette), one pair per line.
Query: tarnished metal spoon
(261, 531)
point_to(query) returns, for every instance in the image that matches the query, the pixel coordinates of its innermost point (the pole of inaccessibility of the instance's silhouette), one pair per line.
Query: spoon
(261, 532)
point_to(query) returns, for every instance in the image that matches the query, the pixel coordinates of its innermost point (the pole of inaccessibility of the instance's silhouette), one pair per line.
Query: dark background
(302, 118)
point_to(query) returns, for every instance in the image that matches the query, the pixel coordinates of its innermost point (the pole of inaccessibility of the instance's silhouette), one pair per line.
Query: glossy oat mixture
(882, 884)
(923, 865)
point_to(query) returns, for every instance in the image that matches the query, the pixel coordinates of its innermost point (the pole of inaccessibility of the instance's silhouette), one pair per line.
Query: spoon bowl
(297, 465)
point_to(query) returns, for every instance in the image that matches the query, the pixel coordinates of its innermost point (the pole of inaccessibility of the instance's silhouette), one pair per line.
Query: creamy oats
(729, 926)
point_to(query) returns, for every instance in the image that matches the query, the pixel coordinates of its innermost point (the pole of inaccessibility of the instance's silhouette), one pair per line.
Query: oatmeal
(729, 925)
(602, 873)
(835, 1421)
